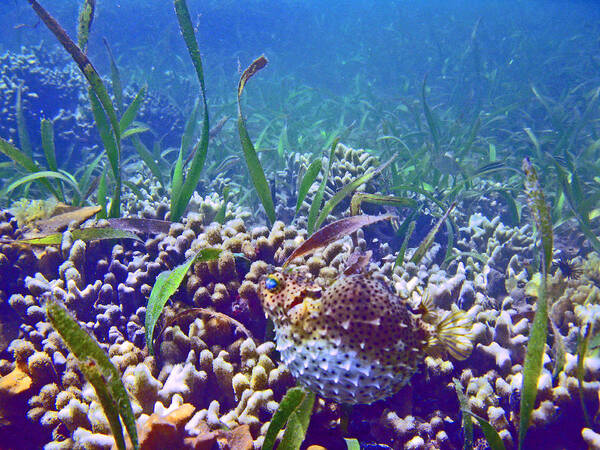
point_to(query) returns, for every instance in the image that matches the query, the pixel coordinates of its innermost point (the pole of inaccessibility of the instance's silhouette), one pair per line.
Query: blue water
(477, 56)
(328, 44)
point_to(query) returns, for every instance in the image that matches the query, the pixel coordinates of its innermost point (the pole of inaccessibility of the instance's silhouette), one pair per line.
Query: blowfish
(355, 341)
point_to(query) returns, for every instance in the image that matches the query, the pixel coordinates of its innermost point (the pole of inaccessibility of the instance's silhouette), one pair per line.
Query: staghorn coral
(569, 295)
(74, 417)
(495, 239)
(507, 343)
(286, 182)
(250, 379)
(348, 164)
(493, 397)
(412, 433)
(591, 438)
(16, 263)
(156, 201)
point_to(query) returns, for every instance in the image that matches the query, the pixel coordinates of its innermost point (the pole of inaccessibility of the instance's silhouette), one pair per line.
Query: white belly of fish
(339, 373)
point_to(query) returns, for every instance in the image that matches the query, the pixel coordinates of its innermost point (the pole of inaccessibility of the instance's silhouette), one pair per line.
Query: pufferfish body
(354, 341)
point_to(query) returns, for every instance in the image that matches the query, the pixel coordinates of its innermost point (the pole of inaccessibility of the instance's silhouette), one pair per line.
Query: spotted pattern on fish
(354, 341)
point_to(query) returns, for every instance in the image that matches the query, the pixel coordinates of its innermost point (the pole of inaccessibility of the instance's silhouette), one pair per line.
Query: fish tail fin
(454, 333)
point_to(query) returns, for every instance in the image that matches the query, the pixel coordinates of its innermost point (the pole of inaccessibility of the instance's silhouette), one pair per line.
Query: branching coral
(209, 372)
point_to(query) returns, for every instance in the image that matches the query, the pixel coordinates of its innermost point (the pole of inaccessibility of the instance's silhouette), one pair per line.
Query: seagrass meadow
(259, 225)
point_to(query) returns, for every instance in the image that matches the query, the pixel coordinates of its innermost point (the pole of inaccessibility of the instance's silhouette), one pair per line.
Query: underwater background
(168, 172)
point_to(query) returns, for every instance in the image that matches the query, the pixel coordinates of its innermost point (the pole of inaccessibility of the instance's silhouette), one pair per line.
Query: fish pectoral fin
(426, 305)
(454, 333)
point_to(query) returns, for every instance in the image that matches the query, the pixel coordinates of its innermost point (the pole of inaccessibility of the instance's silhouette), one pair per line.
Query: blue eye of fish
(271, 283)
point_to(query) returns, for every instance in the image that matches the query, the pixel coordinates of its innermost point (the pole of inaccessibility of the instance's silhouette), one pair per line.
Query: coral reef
(155, 203)
(209, 374)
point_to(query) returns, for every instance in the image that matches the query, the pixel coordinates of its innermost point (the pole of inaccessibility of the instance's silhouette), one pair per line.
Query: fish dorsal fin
(453, 331)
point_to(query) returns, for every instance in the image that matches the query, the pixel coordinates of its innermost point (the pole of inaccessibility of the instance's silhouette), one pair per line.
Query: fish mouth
(295, 306)
(295, 302)
(295, 312)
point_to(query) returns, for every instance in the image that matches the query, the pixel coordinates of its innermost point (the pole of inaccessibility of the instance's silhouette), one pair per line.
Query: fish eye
(271, 283)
